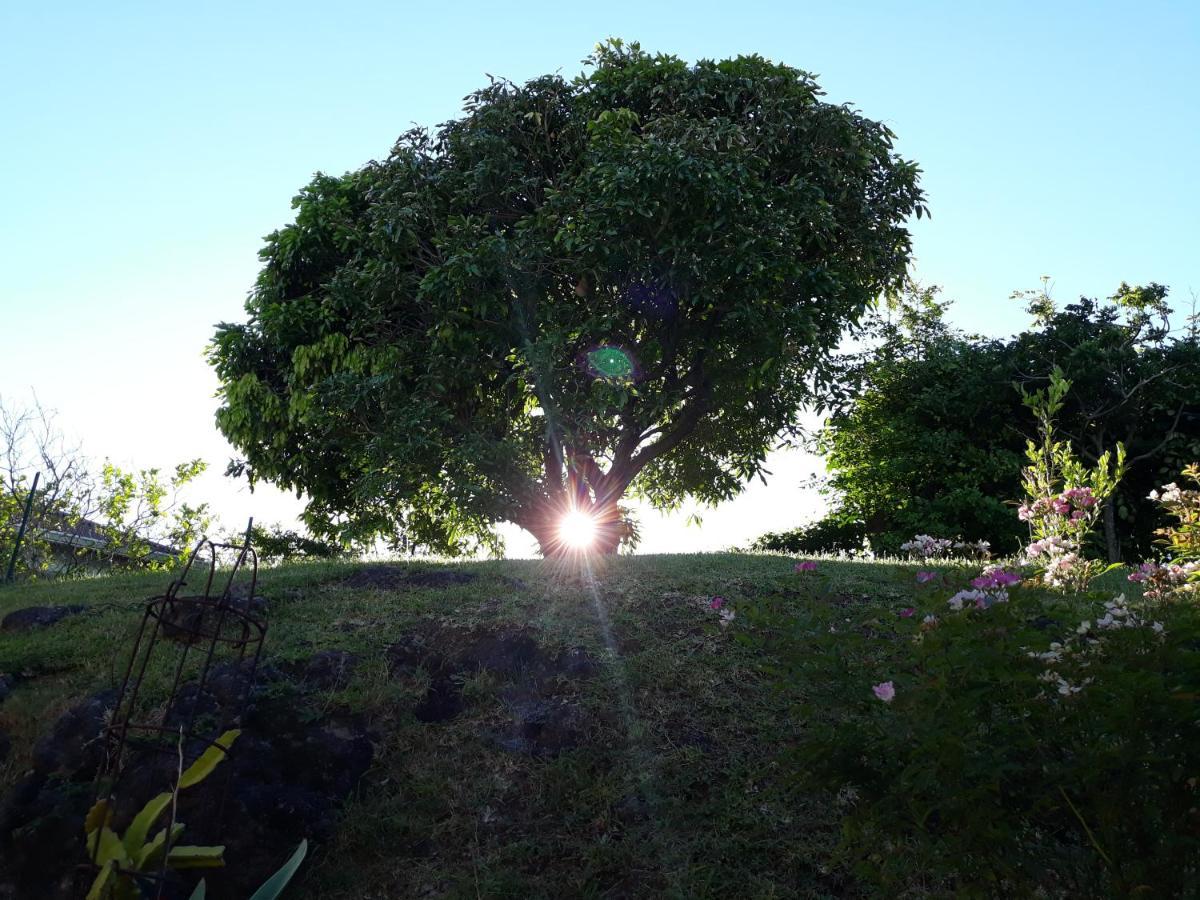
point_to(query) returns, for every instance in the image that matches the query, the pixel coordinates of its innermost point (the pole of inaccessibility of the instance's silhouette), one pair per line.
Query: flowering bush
(1063, 498)
(1182, 539)
(926, 546)
(1004, 740)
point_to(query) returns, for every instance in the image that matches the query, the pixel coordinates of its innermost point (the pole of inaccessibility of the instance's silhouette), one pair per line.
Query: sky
(148, 147)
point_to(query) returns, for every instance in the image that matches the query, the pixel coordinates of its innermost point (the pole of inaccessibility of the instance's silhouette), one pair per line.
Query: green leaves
(135, 835)
(408, 320)
(213, 756)
(274, 885)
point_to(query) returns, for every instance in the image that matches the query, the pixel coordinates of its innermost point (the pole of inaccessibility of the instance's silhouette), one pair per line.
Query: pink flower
(716, 603)
(995, 578)
(926, 577)
(806, 566)
(907, 612)
(885, 691)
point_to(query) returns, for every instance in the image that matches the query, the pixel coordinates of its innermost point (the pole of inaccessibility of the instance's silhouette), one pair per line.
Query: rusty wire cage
(210, 621)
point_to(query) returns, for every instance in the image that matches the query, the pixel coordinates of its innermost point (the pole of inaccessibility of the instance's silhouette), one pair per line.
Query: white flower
(1084, 627)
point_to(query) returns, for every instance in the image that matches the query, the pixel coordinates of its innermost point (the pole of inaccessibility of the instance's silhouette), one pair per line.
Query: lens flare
(611, 363)
(577, 530)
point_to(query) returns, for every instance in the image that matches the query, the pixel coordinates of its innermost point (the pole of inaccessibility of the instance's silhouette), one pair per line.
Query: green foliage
(274, 885)
(85, 518)
(1063, 497)
(926, 434)
(121, 859)
(1046, 745)
(420, 351)
(1182, 537)
(277, 544)
(829, 535)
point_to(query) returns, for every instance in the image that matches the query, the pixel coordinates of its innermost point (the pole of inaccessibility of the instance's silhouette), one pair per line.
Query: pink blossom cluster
(1073, 503)
(807, 566)
(1162, 578)
(1048, 546)
(926, 546)
(995, 577)
(1064, 570)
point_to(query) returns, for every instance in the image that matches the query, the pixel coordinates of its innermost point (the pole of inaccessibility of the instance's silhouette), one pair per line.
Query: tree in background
(628, 282)
(929, 433)
(83, 517)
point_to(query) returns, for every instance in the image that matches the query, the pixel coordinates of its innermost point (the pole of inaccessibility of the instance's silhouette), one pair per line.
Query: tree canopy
(930, 433)
(625, 281)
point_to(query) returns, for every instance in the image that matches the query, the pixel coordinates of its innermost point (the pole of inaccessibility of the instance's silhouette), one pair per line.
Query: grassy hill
(661, 789)
(534, 732)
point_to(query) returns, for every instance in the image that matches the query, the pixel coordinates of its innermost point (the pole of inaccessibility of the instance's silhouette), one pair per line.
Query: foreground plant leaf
(208, 760)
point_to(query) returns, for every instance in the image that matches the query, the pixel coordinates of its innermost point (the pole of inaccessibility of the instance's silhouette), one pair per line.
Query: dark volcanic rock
(190, 619)
(329, 669)
(543, 723)
(542, 727)
(34, 617)
(74, 747)
(415, 651)
(286, 778)
(442, 701)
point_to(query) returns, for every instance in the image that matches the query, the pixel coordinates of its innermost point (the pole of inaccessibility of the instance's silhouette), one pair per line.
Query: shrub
(829, 535)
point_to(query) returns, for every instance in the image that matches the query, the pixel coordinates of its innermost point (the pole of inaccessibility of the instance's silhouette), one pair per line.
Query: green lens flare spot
(611, 362)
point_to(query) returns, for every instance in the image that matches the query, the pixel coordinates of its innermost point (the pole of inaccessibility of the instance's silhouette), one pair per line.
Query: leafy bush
(829, 535)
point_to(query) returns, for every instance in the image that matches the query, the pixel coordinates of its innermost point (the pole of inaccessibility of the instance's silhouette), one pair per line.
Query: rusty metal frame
(215, 625)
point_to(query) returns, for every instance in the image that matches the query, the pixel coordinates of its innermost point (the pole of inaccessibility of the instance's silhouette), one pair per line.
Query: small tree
(625, 282)
(125, 511)
(1063, 498)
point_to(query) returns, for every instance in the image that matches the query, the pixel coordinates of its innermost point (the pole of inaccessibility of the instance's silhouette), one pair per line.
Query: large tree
(624, 282)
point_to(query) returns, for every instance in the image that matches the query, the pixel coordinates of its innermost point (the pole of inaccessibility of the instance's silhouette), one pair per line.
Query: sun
(577, 530)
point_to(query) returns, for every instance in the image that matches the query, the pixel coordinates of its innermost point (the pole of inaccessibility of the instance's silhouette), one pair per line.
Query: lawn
(535, 732)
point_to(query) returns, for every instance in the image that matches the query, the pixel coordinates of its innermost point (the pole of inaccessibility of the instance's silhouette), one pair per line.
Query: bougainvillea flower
(885, 691)
(716, 603)
(907, 612)
(807, 566)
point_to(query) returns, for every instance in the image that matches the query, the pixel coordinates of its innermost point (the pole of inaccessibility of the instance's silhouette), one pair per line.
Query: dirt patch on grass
(391, 578)
(543, 719)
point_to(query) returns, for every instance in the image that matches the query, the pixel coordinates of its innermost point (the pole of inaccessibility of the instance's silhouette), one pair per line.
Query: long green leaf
(135, 834)
(273, 886)
(105, 846)
(153, 851)
(208, 760)
(100, 814)
(103, 883)
(196, 857)
(199, 892)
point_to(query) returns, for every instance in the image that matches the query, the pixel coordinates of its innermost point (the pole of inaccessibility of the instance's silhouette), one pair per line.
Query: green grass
(677, 791)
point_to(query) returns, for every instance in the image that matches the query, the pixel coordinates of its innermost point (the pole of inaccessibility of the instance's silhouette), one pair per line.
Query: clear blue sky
(147, 148)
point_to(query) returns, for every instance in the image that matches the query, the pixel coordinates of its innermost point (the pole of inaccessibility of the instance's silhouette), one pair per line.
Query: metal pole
(12, 563)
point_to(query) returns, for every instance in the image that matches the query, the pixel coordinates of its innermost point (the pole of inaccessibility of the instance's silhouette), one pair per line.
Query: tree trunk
(1112, 543)
(545, 522)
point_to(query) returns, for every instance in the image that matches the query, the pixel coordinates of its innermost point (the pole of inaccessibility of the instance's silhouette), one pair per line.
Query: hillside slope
(532, 732)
